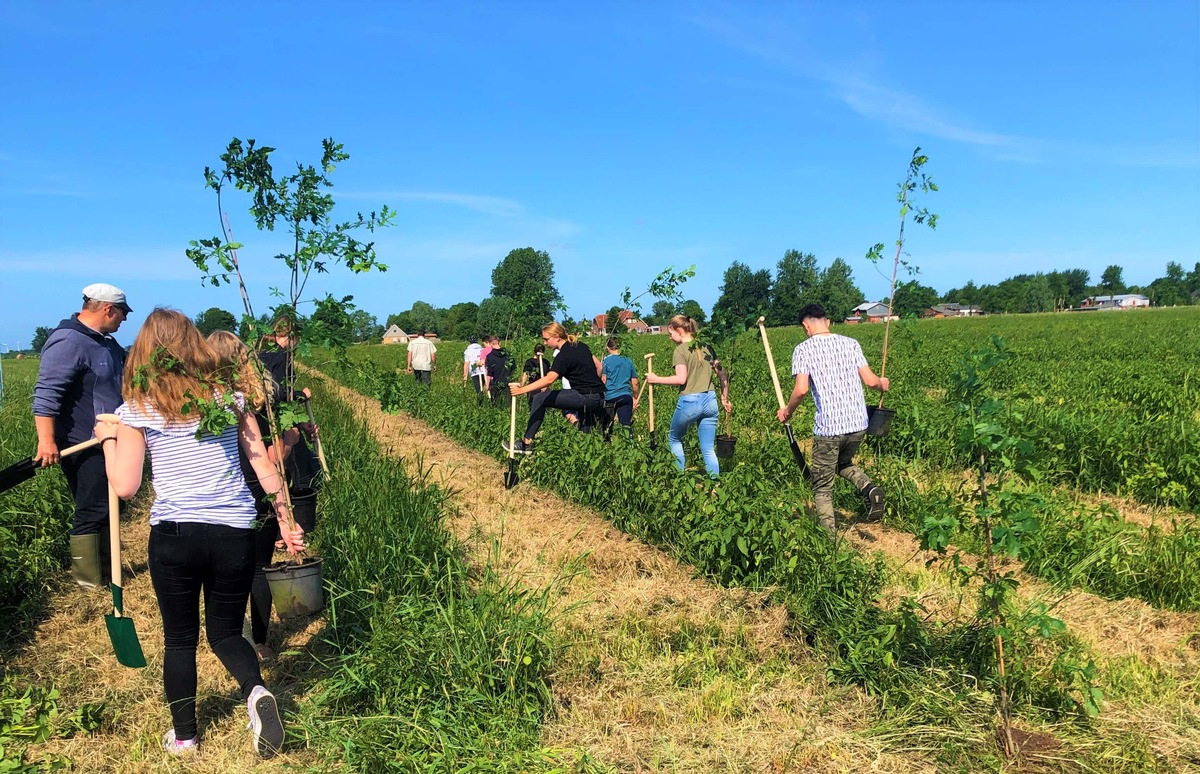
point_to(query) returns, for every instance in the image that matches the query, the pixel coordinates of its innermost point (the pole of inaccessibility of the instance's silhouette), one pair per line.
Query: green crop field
(1103, 402)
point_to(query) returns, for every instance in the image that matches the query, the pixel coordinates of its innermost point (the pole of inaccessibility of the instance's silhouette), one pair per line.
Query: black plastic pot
(724, 446)
(879, 420)
(296, 587)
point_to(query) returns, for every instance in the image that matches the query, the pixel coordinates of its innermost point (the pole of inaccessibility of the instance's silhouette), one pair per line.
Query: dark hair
(472, 339)
(539, 348)
(812, 312)
(612, 343)
(420, 331)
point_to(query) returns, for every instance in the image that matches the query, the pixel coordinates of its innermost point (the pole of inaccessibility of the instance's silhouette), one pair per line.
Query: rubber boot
(105, 557)
(85, 561)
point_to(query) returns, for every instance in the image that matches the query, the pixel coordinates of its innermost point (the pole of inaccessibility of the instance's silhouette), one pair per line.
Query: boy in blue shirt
(620, 385)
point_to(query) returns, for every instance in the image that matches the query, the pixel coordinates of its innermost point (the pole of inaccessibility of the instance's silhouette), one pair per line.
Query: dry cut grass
(71, 650)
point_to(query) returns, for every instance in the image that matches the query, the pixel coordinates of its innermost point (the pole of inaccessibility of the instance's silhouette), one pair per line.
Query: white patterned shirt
(194, 481)
(832, 362)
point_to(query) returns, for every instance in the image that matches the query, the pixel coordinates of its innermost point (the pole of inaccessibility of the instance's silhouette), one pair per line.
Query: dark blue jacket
(80, 377)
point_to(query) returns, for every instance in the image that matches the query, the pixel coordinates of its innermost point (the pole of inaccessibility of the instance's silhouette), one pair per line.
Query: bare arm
(798, 393)
(678, 380)
(47, 449)
(547, 380)
(869, 379)
(123, 457)
(269, 478)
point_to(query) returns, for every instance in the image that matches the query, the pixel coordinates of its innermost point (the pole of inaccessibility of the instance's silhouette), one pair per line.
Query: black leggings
(186, 560)
(304, 510)
(564, 400)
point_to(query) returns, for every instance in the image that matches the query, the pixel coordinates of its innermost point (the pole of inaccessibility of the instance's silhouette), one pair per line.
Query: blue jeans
(696, 409)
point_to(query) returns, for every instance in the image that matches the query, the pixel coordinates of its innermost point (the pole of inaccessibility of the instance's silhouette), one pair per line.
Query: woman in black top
(574, 362)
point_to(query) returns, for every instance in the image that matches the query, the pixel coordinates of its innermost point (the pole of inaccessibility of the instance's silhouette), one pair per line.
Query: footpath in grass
(422, 660)
(661, 671)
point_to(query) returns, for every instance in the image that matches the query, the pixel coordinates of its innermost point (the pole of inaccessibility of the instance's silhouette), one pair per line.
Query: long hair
(238, 370)
(681, 322)
(169, 365)
(557, 331)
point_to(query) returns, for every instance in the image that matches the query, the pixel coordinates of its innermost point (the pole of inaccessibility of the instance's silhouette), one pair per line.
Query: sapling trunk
(887, 324)
(994, 604)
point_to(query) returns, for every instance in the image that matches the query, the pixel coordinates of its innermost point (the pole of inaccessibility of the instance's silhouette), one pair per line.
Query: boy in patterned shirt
(834, 368)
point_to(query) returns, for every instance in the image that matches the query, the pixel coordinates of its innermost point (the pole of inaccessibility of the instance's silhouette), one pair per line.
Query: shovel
(797, 452)
(20, 472)
(120, 626)
(510, 475)
(650, 370)
(317, 439)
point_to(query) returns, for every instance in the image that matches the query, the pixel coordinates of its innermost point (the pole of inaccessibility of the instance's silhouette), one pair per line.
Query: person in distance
(574, 362)
(834, 369)
(695, 367)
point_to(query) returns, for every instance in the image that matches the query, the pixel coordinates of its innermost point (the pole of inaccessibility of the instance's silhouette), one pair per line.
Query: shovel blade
(17, 473)
(510, 475)
(124, 638)
(797, 452)
(125, 641)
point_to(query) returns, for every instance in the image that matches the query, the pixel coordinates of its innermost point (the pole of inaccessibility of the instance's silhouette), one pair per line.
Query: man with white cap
(80, 377)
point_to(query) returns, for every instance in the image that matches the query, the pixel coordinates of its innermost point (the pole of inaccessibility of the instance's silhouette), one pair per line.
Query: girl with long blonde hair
(574, 362)
(695, 366)
(203, 515)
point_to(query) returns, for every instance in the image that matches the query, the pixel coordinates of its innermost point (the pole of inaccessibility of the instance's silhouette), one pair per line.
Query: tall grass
(440, 665)
(35, 517)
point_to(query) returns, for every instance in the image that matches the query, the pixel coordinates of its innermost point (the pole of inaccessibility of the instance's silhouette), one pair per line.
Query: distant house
(637, 326)
(952, 310)
(1120, 301)
(600, 327)
(869, 311)
(394, 335)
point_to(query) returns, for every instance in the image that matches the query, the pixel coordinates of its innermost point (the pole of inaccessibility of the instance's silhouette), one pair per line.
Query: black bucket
(296, 587)
(724, 446)
(879, 420)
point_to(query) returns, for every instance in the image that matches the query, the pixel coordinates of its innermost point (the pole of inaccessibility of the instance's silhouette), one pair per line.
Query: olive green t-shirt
(699, 367)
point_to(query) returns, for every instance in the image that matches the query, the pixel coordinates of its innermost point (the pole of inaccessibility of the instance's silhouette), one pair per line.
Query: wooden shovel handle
(771, 362)
(317, 440)
(512, 429)
(114, 539)
(650, 370)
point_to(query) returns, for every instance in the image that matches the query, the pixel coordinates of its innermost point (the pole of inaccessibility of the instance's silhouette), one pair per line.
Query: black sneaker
(518, 448)
(875, 506)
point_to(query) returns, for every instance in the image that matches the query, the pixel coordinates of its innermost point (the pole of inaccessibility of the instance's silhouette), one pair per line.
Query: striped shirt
(194, 480)
(832, 362)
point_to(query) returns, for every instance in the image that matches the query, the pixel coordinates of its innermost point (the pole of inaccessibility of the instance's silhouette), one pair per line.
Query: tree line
(523, 297)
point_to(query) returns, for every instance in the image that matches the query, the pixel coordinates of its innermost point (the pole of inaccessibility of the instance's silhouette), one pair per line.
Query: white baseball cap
(102, 291)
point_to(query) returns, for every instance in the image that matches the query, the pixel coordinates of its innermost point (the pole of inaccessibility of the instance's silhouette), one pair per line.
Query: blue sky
(619, 137)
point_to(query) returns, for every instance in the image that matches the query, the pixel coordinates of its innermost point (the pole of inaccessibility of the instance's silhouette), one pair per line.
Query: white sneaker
(265, 722)
(179, 746)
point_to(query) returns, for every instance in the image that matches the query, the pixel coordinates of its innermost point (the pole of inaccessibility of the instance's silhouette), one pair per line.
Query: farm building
(952, 310)
(868, 311)
(1119, 301)
(600, 327)
(394, 335)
